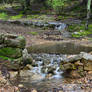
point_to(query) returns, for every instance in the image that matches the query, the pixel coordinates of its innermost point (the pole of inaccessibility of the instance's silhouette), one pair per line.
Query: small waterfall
(58, 25)
(47, 64)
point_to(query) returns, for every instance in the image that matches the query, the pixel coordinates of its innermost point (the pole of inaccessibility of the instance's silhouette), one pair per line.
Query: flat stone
(88, 66)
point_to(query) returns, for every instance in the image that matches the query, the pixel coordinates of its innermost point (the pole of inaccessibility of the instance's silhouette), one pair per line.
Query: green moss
(4, 16)
(22, 42)
(33, 33)
(32, 16)
(5, 58)
(16, 17)
(10, 52)
(11, 63)
(73, 28)
(80, 30)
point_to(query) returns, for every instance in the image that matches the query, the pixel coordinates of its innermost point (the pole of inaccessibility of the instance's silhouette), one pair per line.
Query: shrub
(57, 5)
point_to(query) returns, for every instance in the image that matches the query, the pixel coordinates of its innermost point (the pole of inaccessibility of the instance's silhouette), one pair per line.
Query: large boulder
(12, 51)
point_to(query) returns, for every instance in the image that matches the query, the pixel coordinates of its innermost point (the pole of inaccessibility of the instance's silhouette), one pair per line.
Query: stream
(45, 73)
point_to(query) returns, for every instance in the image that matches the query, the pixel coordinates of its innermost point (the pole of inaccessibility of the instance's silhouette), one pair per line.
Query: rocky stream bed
(45, 75)
(45, 72)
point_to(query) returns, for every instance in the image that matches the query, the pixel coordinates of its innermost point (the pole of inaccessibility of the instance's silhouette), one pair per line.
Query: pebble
(20, 85)
(33, 90)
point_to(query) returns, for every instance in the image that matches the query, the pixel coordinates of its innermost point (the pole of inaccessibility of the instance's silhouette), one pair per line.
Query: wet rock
(51, 69)
(49, 75)
(36, 77)
(44, 69)
(28, 67)
(46, 62)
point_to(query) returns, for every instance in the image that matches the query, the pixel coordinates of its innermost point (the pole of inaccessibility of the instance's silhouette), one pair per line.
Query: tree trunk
(88, 14)
(28, 4)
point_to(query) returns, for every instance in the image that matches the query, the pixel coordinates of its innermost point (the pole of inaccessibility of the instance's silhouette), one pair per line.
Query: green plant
(57, 5)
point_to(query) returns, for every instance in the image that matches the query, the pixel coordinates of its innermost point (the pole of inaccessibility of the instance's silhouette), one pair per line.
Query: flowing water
(45, 74)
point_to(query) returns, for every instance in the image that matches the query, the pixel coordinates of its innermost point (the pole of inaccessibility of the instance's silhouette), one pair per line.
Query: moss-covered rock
(67, 66)
(18, 42)
(12, 64)
(1, 39)
(11, 52)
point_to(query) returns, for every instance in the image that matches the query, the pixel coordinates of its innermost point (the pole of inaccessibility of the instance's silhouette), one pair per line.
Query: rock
(16, 41)
(51, 69)
(90, 72)
(11, 52)
(36, 77)
(74, 74)
(1, 38)
(27, 59)
(2, 81)
(67, 66)
(22, 41)
(20, 85)
(60, 90)
(12, 36)
(88, 66)
(48, 75)
(86, 56)
(12, 64)
(44, 69)
(33, 90)
(28, 67)
(78, 64)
